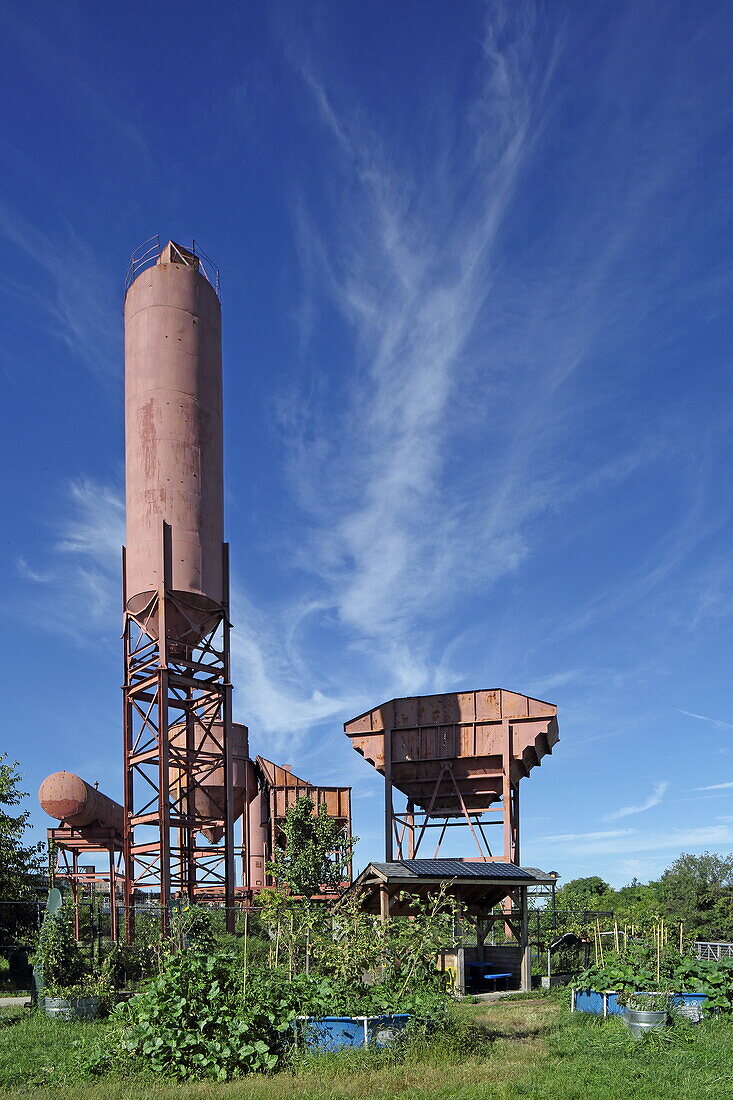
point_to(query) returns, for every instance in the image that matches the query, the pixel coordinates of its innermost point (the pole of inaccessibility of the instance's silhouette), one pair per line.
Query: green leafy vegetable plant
(59, 957)
(193, 1020)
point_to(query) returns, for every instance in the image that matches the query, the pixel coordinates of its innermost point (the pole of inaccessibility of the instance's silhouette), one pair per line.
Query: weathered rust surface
(173, 440)
(466, 730)
(68, 798)
(207, 772)
(286, 788)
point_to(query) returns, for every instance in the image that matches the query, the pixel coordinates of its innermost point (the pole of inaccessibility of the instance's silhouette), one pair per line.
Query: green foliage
(366, 966)
(58, 955)
(635, 971)
(698, 890)
(658, 1001)
(316, 853)
(582, 893)
(194, 1021)
(194, 926)
(21, 865)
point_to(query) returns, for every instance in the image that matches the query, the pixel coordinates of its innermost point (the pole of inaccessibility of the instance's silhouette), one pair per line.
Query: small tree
(58, 955)
(21, 865)
(316, 853)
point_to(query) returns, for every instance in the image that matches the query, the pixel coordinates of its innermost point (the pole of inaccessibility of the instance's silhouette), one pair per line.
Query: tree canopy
(21, 865)
(696, 891)
(699, 891)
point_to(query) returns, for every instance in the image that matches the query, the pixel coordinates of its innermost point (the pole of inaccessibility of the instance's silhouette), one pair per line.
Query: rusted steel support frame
(229, 880)
(440, 839)
(434, 795)
(75, 891)
(388, 799)
(391, 817)
(189, 687)
(510, 803)
(465, 812)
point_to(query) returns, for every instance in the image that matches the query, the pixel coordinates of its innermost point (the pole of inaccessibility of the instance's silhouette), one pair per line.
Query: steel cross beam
(413, 822)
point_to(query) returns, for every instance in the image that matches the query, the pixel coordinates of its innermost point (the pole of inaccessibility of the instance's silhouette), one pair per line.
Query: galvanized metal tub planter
(72, 1008)
(640, 1021)
(344, 1032)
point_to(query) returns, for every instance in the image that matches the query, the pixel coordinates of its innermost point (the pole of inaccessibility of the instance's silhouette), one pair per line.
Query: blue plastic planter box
(601, 1004)
(689, 999)
(343, 1032)
(606, 1004)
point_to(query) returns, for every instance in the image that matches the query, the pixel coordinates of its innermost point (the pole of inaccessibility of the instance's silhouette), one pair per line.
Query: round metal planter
(72, 1008)
(639, 1022)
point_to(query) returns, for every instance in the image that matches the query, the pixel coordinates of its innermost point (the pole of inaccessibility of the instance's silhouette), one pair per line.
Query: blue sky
(476, 283)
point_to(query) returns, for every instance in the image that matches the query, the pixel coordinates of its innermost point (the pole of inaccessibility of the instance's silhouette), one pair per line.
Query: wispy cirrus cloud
(276, 693)
(77, 304)
(604, 834)
(658, 793)
(453, 342)
(410, 276)
(716, 722)
(630, 841)
(716, 787)
(78, 577)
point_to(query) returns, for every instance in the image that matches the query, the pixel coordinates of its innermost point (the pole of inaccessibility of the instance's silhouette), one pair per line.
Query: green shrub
(58, 955)
(195, 1020)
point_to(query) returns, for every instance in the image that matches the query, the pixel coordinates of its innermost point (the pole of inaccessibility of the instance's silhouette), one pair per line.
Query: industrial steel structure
(91, 825)
(188, 775)
(178, 744)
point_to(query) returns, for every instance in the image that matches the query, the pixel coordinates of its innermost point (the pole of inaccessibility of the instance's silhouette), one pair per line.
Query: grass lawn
(530, 1048)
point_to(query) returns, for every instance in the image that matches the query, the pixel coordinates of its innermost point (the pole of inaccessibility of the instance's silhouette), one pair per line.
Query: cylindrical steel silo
(173, 442)
(258, 837)
(209, 790)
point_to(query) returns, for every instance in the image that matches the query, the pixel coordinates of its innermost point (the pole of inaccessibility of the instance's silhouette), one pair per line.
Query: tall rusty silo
(179, 771)
(174, 440)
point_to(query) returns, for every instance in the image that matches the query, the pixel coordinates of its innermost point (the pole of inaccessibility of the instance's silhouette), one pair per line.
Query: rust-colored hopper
(207, 773)
(286, 788)
(446, 753)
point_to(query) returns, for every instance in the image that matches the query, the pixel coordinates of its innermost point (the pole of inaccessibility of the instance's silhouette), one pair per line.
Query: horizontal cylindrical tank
(68, 798)
(173, 442)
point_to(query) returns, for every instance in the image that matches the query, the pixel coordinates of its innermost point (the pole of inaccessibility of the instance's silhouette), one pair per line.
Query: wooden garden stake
(277, 944)
(292, 946)
(246, 956)
(680, 937)
(615, 935)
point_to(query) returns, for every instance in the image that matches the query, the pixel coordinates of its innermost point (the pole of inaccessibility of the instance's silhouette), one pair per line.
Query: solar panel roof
(456, 868)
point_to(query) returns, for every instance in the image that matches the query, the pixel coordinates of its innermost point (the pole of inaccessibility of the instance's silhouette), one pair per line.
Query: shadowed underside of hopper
(453, 756)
